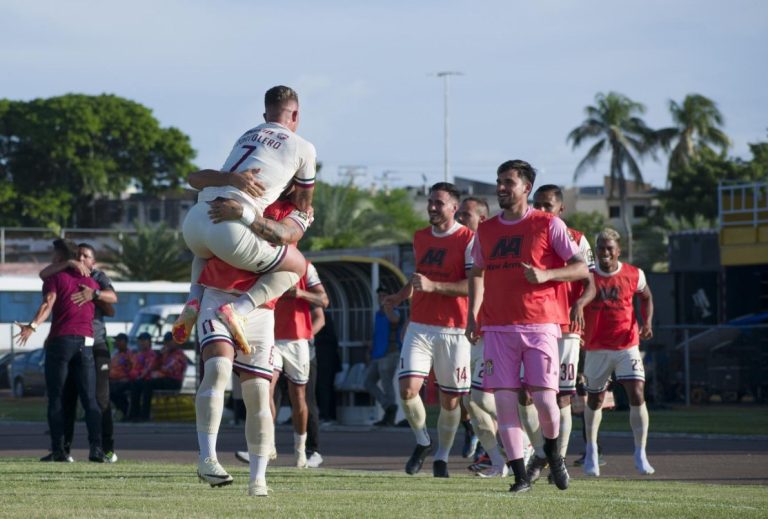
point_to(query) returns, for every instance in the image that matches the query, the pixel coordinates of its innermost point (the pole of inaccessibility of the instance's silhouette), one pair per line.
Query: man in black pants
(103, 298)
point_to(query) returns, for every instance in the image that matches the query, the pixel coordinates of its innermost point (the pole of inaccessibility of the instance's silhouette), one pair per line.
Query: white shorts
(259, 329)
(599, 364)
(568, 348)
(477, 362)
(231, 241)
(292, 359)
(427, 346)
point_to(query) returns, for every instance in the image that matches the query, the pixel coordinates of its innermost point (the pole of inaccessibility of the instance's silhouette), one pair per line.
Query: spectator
(120, 374)
(143, 363)
(328, 364)
(103, 298)
(68, 349)
(168, 374)
(385, 353)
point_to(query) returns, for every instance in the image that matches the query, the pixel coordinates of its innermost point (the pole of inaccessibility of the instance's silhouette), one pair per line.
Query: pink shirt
(67, 318)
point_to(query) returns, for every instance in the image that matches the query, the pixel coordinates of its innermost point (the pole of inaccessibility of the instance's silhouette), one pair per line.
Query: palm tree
(152, 253)
(698, 125)
(615, 121)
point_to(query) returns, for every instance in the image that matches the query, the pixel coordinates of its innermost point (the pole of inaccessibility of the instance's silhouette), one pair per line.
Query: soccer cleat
(520, 486)
(641, 463)
(110, 457)
(470, 445)
(301, 460)
(482, 463)
(534, 468)
(185, 322)
(494, 472)
(273, 454)
(591, 463)
(96, 455)
(388, 419)
(315, 460)
(235, 323)
(440, 469)
(209, 471)
(243, 456)
(258, 488)
(559, 472)
(57, 456)
(420, 453)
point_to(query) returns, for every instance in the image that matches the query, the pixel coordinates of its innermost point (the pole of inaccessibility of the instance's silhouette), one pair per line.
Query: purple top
(66, 317)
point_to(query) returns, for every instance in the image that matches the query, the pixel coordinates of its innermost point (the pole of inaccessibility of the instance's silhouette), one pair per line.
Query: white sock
(638, 420)
(299, 442)
(447, 423)
(529, 418)
(258, 467)
(592, 421)
(259, 427)
(485, 428)
(269, 286)
(566, 424)
(209, 403)
(486, 402)
(417, 419)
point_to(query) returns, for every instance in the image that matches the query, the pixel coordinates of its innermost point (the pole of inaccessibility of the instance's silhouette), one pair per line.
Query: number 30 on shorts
(567, 371)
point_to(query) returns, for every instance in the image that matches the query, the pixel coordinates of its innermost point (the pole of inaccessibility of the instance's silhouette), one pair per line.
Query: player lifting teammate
(518, 261)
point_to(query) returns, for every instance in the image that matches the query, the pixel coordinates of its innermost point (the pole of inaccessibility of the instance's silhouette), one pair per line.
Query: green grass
(30, 409)
(32, 489)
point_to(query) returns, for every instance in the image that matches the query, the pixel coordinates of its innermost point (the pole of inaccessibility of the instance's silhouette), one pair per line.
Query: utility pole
(446, 75)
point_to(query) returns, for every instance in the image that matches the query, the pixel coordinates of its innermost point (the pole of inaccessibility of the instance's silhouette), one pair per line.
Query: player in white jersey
(549, 198)
(281, 158)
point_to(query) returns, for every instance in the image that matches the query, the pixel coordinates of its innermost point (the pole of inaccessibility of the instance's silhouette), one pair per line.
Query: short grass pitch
(134, 489)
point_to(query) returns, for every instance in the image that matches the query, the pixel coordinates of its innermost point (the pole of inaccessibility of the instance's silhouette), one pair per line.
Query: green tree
(151, 254)
(698, 124)
(62, 152)
(588, 223)
(615, 121)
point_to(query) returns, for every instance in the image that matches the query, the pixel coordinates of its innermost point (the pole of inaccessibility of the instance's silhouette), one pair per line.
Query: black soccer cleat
(534, 468)
(57, 456)
(440, 469)
(559, 472)
(96, 455)
(420, 453)
(520, 486)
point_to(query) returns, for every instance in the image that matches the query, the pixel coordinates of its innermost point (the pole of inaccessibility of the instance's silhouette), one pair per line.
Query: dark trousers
(67, 356)
(141, 394)
(119, 392)
(313, 421)
(69, 401)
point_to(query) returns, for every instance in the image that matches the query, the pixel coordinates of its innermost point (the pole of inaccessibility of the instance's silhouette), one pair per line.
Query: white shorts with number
(599, 364)
(477, 362)
(292, 359)
(259, 330)
(568, 348)
(426, 346)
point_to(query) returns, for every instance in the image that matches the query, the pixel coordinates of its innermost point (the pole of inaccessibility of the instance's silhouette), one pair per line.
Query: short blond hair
(608, 234)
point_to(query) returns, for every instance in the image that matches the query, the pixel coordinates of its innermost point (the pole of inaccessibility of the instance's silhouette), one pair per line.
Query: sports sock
(485, 401)
(269, 286)
(549, 414)
(518, 469)
(299, 442)
(592, 419)
(566, 424)
(417, 419)
(529, 419)
(510, 430)
(209, 403)
(259, 427)
(638, 420)
(485, 428)
(447, 423)
(258, 467)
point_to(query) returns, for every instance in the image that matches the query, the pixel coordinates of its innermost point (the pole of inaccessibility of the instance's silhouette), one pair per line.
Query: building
(641, 199)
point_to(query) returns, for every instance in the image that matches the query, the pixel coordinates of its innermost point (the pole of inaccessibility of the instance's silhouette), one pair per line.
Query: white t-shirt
(281, 155)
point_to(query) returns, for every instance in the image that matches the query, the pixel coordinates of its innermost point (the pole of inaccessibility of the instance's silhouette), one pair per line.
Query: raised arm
(55, 268)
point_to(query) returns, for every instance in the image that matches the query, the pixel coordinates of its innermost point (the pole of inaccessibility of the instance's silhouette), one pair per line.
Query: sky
(364, 72)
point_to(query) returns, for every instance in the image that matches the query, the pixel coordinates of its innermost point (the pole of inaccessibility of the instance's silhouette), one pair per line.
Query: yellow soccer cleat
(184, 324)
(236, 325)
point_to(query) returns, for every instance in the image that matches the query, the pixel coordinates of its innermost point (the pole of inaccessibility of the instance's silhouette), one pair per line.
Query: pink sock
(510, 429)
(549, 414)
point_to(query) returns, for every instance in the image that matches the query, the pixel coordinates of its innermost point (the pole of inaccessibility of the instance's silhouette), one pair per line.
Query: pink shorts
(506, 352)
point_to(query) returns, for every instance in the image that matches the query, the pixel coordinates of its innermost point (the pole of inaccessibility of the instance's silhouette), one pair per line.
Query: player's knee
(563, 401)
(217, 373)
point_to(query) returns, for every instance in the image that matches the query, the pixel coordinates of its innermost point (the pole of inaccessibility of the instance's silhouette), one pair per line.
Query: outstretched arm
(40, 316)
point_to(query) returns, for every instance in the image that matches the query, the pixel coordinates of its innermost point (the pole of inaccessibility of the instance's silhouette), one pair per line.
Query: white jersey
(281, 155)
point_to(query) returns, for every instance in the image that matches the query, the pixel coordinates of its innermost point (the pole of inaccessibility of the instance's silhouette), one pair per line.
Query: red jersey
(171, 364)
(568, 293)
(293, 316)
(143, 363)
(120, 366)
(610, 320)
(442, 258)
(223, 276)
(538, 239)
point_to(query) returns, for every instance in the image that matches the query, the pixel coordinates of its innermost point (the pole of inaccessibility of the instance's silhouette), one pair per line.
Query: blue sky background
(362, 71)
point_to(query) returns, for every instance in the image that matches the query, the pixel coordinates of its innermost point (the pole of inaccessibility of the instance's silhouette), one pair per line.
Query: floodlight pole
(446, 75)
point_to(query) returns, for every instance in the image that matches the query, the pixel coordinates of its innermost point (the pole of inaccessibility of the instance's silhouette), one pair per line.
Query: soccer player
(435, 334)
(220, 353)
(574, 296)
(480, 402)
(293, 330)
(518, 260)
(612, 341)
(278, 156)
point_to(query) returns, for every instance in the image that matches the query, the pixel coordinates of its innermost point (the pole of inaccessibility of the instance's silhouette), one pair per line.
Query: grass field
(33, 489)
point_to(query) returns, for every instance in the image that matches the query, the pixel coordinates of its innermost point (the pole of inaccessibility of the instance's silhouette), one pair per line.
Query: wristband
(248, 216)
(33, 326)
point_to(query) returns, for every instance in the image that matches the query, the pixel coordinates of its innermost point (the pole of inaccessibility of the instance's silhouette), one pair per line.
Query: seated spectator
(143, 363)
(120, 374)
(168, 373)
